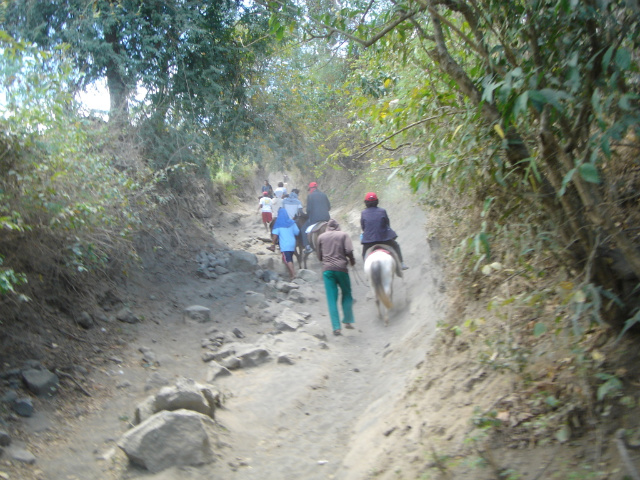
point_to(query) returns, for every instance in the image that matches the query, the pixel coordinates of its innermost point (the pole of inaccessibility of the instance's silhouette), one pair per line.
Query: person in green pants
(335, 251)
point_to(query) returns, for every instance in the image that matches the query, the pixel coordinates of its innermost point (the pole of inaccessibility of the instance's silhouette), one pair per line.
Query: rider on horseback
(376, 228)
(318, 207)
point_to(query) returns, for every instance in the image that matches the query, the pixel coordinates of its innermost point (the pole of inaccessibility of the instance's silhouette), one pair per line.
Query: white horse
(380, 268)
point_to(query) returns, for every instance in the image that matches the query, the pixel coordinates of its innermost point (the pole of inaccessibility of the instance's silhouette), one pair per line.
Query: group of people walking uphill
(334, 247)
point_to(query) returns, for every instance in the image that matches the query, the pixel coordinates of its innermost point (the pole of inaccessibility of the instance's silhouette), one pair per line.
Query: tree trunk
(118, 91)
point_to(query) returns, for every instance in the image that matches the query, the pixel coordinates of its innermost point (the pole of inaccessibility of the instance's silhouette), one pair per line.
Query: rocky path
(316, 416)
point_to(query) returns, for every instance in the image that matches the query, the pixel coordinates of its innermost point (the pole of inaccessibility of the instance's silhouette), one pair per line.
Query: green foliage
(9, 280)
(517, 105)
(53, 178)
(610, 387)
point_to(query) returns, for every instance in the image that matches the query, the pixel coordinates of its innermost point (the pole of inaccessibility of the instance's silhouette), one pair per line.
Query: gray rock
(286, 287)
(288, 321)
(23, 455)
(198, 313)
(237, 333)
(5, 438)
(208, 357)
(268, 314)
(285, 358)
(231, 363)
(307, 275)
(252, 356)
(285, 325)
(216, 371)
(125, 315)
(85, 320)
(297, 296)
(40, 382)
(148, 356)
(254, 299)
(242, 261)
(187, 395)
(167, 439)
(23, 406)
(220, 270)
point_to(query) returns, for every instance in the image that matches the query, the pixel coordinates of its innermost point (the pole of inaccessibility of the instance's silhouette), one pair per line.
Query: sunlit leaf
(589, 173)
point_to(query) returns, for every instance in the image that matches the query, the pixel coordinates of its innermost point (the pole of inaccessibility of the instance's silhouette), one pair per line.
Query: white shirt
(266, 203)
(276, 203)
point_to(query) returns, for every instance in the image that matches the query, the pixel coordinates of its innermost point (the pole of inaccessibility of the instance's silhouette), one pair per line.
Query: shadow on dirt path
(324, 416)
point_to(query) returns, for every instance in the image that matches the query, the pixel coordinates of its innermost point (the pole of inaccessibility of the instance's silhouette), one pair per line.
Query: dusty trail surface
(325, 416)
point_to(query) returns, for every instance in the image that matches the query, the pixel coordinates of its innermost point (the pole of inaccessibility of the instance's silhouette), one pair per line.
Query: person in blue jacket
(376, 227)
(284, 232)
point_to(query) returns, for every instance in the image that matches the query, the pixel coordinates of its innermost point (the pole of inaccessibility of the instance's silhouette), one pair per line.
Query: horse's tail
(378, 284)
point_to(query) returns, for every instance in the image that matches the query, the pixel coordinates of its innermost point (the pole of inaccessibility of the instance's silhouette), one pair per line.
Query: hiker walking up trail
(335, 251)
(265, 207)
(267, 188)
(284, 232)
(376, 227)
(292, 204)
(280, 191)
(318, 207)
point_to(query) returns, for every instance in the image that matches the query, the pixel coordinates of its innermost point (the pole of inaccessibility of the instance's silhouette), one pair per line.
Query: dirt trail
(323, 417)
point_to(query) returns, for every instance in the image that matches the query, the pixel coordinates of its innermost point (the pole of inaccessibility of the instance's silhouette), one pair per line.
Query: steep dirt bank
(313, 419)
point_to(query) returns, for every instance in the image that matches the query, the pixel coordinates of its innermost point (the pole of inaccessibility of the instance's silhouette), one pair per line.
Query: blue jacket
(318, 207)
(376, 226)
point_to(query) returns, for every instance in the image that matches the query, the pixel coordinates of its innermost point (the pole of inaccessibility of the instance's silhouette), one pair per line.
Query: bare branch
(371, 146)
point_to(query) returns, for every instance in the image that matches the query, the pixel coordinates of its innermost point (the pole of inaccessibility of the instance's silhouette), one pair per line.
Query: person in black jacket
(318, 207)
(376, 227)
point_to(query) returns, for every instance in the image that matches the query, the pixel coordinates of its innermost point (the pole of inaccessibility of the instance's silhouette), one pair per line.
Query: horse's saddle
(315, 227)
(390, 250)
(313, 231)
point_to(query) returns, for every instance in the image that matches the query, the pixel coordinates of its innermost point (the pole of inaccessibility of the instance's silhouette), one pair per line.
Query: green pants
(333, 280)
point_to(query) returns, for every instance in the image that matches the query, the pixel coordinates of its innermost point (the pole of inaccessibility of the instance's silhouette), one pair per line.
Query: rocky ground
(294, 401)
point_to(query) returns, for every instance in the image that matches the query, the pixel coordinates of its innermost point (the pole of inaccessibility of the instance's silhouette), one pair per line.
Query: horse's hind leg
(380, 315)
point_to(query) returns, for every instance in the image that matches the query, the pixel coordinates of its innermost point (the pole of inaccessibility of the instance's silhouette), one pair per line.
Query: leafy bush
(54, 177)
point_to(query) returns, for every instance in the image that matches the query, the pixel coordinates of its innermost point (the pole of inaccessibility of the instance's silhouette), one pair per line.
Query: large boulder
(42, 382)
(188, 395)
(167, 439)
(288, 321)
(242, 261)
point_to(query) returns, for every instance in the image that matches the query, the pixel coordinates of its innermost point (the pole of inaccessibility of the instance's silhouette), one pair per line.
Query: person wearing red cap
(265, 206)
(376, 227)
(318, 207)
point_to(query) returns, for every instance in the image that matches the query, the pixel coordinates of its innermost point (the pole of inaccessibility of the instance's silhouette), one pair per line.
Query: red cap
(313, 185)
(370, 196)
(265, 194)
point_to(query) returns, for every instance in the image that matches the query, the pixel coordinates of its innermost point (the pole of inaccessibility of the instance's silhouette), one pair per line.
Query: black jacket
(318, 207)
